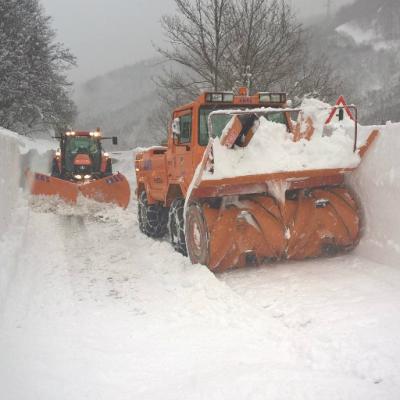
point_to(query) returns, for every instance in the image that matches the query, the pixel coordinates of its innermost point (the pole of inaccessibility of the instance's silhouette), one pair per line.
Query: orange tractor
(234, 221)
(81, 166)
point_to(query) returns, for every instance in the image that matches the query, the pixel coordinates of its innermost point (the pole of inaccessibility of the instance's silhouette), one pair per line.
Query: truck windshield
(220, 121)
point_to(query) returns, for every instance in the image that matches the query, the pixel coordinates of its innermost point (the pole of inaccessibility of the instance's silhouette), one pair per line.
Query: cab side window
(186, 128)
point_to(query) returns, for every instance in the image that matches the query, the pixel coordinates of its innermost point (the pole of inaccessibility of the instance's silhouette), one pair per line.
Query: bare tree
(199, 37)
(266, 42)
(313, 77)
(217, 41)
(219, 44)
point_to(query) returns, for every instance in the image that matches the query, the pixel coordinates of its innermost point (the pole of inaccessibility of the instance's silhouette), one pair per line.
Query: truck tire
(197, 235)
(153, 218)
(176, 226)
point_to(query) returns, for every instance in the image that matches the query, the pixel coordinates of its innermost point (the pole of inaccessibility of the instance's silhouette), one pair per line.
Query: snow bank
(9, 176)
(16, 154)
(273, 149)
(377, 183)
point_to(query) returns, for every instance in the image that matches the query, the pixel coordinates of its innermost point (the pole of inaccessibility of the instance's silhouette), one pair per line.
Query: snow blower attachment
(245, 180)
(81, 166)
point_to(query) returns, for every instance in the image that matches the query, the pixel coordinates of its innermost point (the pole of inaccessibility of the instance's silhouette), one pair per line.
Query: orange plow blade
(113, 189)
(44, 185)
(252, 230)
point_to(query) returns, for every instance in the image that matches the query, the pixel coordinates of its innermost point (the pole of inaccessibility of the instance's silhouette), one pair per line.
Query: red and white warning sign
(341, 103)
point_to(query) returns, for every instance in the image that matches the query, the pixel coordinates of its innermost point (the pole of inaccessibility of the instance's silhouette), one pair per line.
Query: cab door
(182, 156)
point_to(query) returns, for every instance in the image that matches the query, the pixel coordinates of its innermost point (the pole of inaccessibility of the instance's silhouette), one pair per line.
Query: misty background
(114, 42)
(105, 35)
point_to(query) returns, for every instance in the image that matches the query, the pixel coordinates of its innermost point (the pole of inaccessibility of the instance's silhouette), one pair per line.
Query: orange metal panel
(44, 185)
(113, 189)
(320, 222)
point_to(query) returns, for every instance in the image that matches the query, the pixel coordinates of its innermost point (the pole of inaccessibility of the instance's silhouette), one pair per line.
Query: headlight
(223, 97)
(78, 176)
(87, 176)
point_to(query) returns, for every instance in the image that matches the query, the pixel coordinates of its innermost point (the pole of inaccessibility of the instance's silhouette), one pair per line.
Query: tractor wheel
(55, 171)
(197, 236)
(153, 218)
(108, 170)
(176, 226)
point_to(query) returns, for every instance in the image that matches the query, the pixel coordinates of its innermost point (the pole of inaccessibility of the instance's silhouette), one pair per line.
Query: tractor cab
(81, 156)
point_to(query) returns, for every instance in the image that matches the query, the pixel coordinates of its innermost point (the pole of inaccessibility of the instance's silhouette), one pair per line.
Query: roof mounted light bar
(272, 98)
(220, 97)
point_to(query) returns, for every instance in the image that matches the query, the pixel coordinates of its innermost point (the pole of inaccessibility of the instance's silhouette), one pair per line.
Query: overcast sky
(107, 34)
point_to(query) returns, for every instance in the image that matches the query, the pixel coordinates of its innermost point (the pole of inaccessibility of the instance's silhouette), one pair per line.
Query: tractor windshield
(82, 145)
(219, 122)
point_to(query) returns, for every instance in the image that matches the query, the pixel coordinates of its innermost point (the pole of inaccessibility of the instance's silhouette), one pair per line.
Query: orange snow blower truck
(232, 222)
(81, 166)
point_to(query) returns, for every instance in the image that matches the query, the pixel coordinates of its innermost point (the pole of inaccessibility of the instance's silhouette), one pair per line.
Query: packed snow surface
(92, 309)
(272, 149)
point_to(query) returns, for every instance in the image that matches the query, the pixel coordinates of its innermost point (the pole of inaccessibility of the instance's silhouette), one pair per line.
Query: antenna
(328, 8)
(247, 75)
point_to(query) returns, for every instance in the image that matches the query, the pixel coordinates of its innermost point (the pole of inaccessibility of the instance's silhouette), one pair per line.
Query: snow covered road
(97, 311)
(92, 309)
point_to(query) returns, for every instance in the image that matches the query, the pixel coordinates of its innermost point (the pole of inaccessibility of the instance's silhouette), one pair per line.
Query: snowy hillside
(121, 103)
(92, 309)
(362, 43)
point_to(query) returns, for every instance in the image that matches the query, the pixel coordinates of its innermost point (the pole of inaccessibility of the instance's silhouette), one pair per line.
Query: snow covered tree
(33, 85)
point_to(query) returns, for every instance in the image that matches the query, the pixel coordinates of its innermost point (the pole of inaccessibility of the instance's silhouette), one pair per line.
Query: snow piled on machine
(273, 149)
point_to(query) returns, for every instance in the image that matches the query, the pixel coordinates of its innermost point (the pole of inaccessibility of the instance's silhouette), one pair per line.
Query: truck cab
(165, 172)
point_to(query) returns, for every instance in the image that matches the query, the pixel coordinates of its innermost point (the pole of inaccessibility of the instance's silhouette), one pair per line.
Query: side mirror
(176, 127)
(114, 140)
